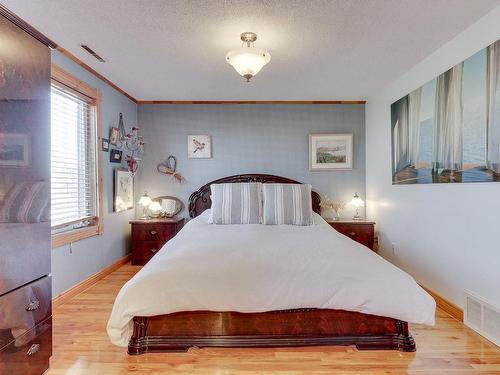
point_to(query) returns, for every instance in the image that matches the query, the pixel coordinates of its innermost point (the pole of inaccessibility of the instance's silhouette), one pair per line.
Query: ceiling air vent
(92, 52)
(482, 317)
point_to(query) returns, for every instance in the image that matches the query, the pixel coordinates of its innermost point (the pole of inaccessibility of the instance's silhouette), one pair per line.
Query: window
(75, 166)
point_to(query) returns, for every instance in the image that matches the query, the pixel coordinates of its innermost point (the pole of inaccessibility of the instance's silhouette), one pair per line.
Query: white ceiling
(321, 49)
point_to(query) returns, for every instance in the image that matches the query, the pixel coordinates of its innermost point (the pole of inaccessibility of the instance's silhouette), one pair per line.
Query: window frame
(61, 77)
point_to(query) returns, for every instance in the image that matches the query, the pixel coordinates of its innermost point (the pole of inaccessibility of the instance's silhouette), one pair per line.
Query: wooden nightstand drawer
(149, 236)
(142, 252)
(362, 232)
(153, 232)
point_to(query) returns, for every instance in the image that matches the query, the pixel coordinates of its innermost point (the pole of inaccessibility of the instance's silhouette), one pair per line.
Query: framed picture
(105, 144)
(448, 129)
(199, 146)
(124, 190)
(14, 149)
(115, 156)
(329, 152)
(114, 136)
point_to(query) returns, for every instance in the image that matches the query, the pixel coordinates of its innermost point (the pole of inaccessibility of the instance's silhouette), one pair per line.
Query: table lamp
(145, 201)
(357, 202)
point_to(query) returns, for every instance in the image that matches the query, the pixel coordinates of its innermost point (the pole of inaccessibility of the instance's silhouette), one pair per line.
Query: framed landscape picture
(124, 190)
(14, 150)
(329, 152)
(199, 146)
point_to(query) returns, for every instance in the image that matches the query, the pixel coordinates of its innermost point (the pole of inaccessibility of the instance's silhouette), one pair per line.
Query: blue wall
(248, 139)
(86, 257)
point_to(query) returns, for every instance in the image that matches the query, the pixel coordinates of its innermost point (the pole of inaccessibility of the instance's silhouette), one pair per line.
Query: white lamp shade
(145, 200)
(248, 61)
(357, 201)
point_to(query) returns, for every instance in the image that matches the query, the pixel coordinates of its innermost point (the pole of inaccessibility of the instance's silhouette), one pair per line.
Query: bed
(257, 285)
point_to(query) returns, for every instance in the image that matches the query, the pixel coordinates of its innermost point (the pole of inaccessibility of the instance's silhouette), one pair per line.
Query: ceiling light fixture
(248, 60)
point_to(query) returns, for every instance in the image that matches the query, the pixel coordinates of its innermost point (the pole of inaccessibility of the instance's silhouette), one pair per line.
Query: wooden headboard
(200, 200)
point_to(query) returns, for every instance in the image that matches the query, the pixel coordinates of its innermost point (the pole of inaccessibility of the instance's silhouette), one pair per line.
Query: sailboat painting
(448, 130)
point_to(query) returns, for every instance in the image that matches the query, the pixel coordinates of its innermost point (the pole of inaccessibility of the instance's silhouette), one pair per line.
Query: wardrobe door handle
(35, 348)
(154, 250)
(33, 305)
(352, 234)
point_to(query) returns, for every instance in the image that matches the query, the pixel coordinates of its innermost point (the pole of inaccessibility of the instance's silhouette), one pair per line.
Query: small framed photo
(123, 190)
(199, 146)
(14, 150)
(114, 136)
(105, 144)
(329, 152)
(115, 156)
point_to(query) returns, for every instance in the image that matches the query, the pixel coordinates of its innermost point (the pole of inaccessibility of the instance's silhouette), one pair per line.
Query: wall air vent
(482, 317)
(92, 52)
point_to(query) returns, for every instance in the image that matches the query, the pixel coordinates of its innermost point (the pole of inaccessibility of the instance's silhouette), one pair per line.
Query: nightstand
(148, 237)
(359, 230)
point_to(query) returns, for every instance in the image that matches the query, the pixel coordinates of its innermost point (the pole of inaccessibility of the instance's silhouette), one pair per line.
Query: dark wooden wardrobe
(25, 284)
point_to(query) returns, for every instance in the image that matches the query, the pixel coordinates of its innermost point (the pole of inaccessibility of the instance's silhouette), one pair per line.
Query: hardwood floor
(81, 347)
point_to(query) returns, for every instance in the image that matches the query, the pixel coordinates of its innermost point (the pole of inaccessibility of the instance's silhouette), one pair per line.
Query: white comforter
(256, 268)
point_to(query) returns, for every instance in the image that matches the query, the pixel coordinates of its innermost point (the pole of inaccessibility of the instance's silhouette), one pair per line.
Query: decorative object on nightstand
(357, 202)
(359, 230)
(169, 206)
(149, 236)
(155, 209)
(145, 201)
(330, 204)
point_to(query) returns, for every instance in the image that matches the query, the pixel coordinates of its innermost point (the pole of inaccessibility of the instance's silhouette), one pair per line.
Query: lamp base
(358, 218)
(144, 217)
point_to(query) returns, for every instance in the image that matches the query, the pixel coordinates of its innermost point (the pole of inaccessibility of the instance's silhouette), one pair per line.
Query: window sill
(62, 239)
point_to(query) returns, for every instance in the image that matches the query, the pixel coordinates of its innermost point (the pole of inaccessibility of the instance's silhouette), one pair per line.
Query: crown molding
(19, 22)
(251, 102)
(117, 88)
(70, 56)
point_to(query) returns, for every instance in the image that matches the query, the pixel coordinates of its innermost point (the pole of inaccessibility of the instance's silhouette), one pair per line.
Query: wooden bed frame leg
(139, 342)
(405, 341)
(402, 340)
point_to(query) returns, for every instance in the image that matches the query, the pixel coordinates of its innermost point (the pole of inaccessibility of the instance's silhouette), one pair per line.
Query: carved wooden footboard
(301, 327)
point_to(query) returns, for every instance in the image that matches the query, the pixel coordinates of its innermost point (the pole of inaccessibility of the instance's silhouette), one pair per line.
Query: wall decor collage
(132, 144)
(327, 152)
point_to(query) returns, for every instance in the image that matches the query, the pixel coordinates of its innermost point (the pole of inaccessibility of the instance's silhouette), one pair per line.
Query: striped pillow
(238, 203)
(288, 204)
(26, 203)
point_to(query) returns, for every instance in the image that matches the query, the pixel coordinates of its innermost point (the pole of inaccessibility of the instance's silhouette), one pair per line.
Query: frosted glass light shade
(357, 201)
(248, 61)
(145, 200)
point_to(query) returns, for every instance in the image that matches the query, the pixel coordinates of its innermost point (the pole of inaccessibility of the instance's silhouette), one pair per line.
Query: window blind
(73, 160)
